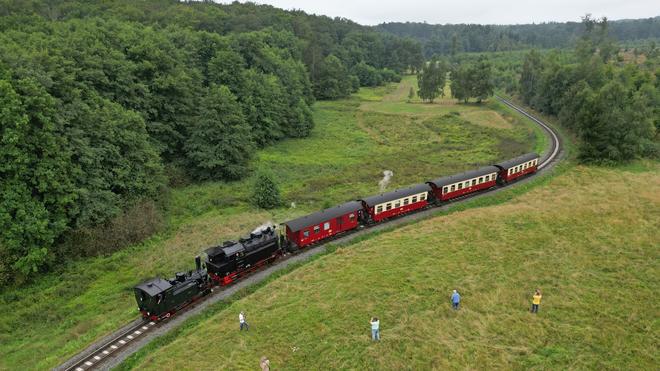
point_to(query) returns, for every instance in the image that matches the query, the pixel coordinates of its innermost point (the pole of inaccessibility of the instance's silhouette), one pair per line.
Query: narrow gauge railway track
(128, 340)
(108, 347)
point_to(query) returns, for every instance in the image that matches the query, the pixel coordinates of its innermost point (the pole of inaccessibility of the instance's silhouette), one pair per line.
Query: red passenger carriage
(453, 186)
(323, 224)
(397, 202)
(517, 167)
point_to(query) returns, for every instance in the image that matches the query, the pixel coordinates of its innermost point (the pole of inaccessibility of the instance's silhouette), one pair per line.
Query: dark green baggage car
(160, 298)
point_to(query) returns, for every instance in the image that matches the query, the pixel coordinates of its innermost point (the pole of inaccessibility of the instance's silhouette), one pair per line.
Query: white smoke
(387, 176)
(264, 226)
(293, 205)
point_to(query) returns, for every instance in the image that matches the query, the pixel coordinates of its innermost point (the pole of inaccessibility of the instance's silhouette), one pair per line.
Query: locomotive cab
(152, 296)
(159, 298)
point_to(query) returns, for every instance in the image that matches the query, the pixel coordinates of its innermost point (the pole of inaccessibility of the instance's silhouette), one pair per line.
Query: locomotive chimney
(198, 262)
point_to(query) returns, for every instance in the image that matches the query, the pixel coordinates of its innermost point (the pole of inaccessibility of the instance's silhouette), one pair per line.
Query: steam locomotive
(160, 298)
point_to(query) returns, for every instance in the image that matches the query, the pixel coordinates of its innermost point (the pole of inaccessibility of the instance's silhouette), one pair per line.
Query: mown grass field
(353, 142)
(587, 238)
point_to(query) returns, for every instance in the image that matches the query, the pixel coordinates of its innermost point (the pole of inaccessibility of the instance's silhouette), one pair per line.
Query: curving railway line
(114, 348)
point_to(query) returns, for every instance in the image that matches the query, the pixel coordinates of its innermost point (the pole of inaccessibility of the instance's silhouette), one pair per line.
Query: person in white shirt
(375, 328)
(241, 320)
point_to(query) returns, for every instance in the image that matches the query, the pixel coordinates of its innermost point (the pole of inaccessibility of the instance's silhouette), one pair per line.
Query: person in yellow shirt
(536, 300)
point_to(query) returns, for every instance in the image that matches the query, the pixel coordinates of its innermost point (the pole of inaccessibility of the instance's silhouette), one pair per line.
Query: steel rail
(553, 136)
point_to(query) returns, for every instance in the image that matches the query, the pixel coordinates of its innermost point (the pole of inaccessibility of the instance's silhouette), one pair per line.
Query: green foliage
(432, 80)
(367, 75)
(34, 177)
(530, 75)
(472, 80)
(219, 144)
(390, 76)
(333, 80)
(266, 194)
(454, 39)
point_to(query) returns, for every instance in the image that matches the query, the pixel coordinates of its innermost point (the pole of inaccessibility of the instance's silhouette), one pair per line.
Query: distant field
(353, 142)
(588, 238)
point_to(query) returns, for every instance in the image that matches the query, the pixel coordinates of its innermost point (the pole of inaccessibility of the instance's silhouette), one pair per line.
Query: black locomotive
(233, 259)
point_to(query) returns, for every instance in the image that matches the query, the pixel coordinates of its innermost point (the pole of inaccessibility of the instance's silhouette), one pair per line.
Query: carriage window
(389, 206)
(453, 187)
(481, 180)
(326, 226)
(487, 177)
(422, 197)
(379, 209)
(397, 204)
(317, 229)
(405, 202)
(474, 181)
(460, 185)
(351, 217)
(306, 234)
(414, 199)
(445, 189)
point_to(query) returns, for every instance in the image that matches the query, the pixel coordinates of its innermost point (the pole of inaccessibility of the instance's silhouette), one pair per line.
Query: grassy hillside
(588, 238)
(353, 142)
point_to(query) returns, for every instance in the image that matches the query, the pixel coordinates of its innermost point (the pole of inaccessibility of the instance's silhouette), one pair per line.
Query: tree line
(103, 103)
(454, 39)
(612, 105)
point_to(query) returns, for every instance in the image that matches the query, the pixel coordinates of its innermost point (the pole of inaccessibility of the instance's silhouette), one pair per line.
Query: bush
(266, 194)
(387, 75)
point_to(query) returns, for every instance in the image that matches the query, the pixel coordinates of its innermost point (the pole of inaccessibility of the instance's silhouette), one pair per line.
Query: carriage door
(339, 224)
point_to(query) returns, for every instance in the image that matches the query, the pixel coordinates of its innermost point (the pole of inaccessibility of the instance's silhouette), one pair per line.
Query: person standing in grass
(375, 329)
(241, 320)
(536, 301)
(455, 299)
(264, 364)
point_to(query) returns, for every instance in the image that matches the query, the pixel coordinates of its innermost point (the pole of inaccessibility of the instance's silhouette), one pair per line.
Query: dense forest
(103, 104)
(453, 39)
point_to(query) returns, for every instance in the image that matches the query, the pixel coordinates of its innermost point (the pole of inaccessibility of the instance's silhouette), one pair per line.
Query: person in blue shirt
(455, 300)
(375, 329)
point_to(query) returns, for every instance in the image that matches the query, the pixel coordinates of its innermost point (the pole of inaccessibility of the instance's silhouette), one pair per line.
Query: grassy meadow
(354, 141)
(587, 238)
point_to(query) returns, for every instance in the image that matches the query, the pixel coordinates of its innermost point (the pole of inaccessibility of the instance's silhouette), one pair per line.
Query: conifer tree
(266, 194)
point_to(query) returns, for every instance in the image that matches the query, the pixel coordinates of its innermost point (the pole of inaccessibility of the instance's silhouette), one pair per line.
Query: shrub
(266, 194)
